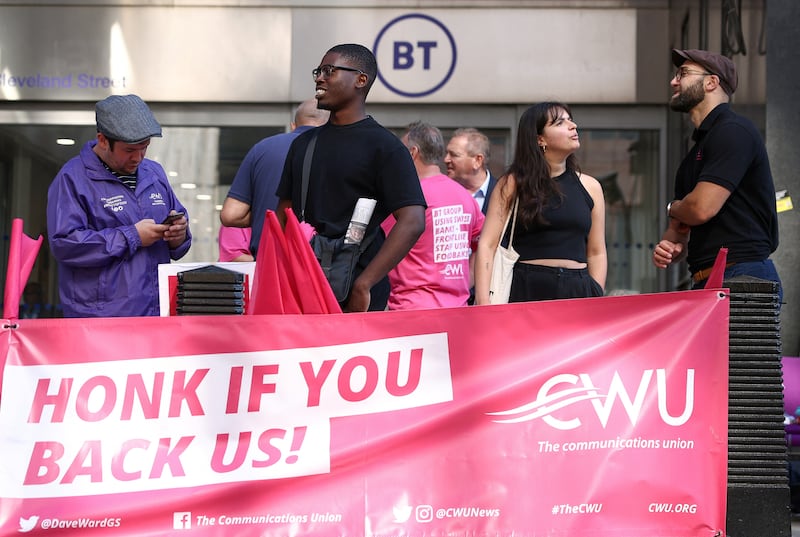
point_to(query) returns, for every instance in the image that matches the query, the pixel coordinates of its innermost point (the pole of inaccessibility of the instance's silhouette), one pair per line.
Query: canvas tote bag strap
(513, 223)
(511, 218)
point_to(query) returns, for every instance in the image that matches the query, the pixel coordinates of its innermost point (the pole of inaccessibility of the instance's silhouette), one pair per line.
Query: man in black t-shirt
(355, 157)
(724, 193)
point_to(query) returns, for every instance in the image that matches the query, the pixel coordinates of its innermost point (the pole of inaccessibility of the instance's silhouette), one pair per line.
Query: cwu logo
(421, 52)
(553, 397)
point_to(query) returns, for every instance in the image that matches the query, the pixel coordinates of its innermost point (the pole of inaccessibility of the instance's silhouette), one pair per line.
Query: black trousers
(538, 282)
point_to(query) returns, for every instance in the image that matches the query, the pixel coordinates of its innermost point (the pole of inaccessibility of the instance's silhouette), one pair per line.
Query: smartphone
(170, 219)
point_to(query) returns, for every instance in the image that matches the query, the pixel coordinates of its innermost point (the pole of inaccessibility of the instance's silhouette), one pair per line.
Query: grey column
(783, 146)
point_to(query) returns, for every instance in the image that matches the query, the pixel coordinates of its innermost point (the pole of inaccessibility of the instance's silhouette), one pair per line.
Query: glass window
(200, 162)
(626, 164)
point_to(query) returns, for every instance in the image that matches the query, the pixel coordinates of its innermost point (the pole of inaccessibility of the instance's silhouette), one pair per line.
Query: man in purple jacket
(107, 219)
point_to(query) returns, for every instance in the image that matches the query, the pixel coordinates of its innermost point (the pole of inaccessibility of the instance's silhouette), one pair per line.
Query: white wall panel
(265, 54)
(160, 53)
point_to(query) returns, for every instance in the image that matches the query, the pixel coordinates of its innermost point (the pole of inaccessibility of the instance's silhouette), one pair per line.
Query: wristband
(669, 206)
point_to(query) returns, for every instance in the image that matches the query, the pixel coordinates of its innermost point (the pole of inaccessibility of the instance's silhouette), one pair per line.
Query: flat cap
(712, 62)
(126, 118)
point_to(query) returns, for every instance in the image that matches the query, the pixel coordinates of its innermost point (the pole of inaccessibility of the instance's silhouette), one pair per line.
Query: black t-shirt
(730, 152)
(361, 160)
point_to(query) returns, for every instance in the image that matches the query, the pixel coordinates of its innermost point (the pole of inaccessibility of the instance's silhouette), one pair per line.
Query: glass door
(626, 162)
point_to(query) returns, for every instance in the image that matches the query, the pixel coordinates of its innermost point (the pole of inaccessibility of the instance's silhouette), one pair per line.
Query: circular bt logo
(417, 54)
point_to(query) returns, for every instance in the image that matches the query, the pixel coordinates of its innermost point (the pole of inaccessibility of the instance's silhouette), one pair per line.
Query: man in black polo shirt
(724, 194)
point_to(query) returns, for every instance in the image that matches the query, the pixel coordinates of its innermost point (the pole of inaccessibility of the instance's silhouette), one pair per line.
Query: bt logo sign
(421, 54)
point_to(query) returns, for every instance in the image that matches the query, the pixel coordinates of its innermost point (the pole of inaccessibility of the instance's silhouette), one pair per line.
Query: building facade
(221, 75)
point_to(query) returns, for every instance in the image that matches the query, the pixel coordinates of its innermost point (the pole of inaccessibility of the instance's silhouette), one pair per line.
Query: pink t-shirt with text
(435, 273)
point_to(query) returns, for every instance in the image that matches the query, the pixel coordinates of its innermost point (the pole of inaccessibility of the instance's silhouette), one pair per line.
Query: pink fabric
(288, 278)
(22, 252)
(556, 418)
(306, 229)
(313, 290)
(435, 273)
(791, 383)
(718, 270)
(273, 289)
(233, 242)
(791, 397)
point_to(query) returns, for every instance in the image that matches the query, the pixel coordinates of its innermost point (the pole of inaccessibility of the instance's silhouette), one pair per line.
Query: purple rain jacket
(103, 270)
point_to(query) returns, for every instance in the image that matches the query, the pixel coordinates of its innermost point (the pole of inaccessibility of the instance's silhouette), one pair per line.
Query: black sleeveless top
(569, 221)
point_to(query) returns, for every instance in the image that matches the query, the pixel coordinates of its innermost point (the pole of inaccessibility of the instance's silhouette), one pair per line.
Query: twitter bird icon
(401, 513)
(27, 524)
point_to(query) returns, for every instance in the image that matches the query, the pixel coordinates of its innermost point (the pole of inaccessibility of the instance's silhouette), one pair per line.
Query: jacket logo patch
(156, 200)
(115, 203)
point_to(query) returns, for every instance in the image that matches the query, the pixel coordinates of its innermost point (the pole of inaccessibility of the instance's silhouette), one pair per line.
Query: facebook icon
(182, 520)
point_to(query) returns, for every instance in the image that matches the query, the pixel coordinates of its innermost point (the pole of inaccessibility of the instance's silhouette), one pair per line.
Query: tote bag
(504, 260)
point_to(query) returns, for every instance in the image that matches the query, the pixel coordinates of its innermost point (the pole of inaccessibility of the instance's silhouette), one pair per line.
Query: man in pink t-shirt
(436, 272)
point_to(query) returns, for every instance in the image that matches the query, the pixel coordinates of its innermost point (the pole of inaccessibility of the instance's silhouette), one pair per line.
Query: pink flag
(272, 291)
(313, 289)
(718, 270)
(22, 252)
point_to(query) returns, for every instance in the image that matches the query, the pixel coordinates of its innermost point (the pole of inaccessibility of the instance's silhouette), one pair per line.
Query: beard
(689, 98)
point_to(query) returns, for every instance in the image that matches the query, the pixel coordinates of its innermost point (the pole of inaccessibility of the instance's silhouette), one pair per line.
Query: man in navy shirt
(724, 193)
(253, 190)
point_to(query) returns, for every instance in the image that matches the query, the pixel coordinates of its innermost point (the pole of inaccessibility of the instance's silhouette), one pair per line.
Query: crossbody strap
(306, 173)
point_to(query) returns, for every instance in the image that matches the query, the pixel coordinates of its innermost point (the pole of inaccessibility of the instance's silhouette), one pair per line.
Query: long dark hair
(534, 186)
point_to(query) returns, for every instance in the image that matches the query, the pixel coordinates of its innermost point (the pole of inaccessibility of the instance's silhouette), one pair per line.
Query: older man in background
(467, 162)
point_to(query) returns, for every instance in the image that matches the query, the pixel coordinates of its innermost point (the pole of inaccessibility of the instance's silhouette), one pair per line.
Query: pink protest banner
(593, 417)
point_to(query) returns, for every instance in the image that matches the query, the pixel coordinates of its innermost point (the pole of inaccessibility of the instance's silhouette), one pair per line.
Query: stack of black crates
(758, 481)
(211, 290)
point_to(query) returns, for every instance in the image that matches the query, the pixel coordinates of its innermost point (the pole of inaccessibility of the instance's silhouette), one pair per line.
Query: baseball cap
(717, 64)
(126, 118)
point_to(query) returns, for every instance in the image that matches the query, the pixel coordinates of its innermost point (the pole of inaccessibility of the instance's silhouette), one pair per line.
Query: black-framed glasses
(327, 70)
(683, 71)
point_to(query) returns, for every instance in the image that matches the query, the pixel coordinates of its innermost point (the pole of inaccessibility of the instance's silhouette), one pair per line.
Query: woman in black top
(560, 224)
